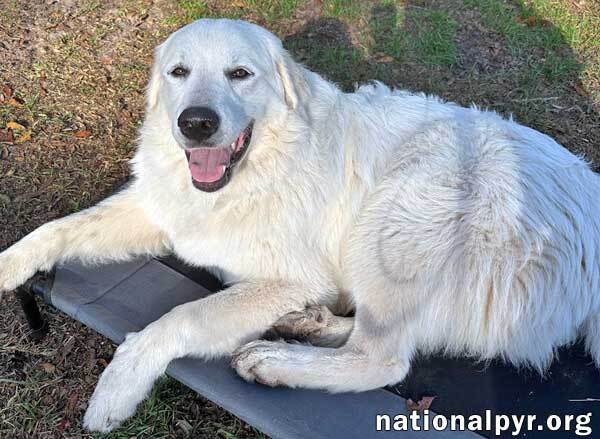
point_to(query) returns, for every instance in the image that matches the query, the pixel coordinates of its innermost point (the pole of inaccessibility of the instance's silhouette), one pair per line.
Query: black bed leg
(26, 294)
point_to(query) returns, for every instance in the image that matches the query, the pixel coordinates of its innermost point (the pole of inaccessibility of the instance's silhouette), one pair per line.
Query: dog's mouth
(211, 167)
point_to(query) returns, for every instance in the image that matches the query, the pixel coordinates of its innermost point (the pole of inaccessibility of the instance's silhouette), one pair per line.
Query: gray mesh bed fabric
(120, 298)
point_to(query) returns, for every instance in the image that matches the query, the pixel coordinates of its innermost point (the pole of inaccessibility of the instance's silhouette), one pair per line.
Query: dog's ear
(155, 79)
(294, 84)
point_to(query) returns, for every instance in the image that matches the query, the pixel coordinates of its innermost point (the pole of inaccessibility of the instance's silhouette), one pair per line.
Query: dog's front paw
(123, 385)
(103, 416)
(258, 361)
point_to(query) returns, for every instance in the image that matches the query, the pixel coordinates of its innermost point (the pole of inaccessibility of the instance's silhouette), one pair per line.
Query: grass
(536, 59)
(348, 9)
(156, 418)
(271, 10)
(267, 11)
(192, 10)
(435, 37)
(540, 31)
(187, 11)
(423, 35)
(580, 31)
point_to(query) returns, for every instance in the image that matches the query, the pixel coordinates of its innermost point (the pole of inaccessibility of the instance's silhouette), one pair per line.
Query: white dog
(444, 227)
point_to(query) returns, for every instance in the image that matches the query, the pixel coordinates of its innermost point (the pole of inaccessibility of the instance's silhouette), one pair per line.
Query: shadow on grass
(508, 60)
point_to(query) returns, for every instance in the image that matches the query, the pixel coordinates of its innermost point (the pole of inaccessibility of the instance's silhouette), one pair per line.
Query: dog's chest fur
(245, 238)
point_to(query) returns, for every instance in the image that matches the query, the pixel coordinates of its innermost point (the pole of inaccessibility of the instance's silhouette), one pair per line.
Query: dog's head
(217, 81)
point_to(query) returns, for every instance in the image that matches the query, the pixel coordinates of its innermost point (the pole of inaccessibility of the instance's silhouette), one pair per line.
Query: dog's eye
(239, 74)
(179, 72)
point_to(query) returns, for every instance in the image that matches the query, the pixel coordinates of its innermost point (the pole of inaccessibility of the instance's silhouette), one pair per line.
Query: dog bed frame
(119, 298)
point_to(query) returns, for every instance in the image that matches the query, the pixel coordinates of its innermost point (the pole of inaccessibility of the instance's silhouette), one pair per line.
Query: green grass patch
(349, 9)
(336, 58)
(341, 64)
(193, 10)
(580, 31)
(531, 36)
(434, 41)
(510, 21)
(157, 417)
(268, 10)
(422, 35)
(272, 10)
(188, 11)
(160, 416)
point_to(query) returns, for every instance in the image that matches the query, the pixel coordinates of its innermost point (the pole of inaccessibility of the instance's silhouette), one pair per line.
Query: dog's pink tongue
(208, 164)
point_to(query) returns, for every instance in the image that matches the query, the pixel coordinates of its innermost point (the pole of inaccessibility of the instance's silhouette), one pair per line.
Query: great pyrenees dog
(442, 227)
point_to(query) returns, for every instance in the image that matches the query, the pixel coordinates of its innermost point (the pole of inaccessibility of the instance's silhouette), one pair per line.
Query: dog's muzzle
(211, 167)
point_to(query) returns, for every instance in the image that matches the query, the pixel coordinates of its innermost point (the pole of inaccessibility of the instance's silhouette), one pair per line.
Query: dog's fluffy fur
(444, 227)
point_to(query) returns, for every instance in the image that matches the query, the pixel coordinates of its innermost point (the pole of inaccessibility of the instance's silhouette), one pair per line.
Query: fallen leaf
(383, 57)
(15, 126)
(7, 136)
(48, 367)
(63, 425)
(423, 404)
(14, 102)
(72, 403)
(142, 19)
(102, 362)
(82, 134)
(22, 134)
(580, 89)
(24, 137)
(530, 21)
(7, 91)
(43, 87)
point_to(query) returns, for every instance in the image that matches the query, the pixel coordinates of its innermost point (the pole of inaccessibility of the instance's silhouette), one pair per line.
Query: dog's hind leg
(316, 325)
(115, 229)
(377, 353)
(393, 276)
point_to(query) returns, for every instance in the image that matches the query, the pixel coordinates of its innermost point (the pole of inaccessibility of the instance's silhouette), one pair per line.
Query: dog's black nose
(198, 123)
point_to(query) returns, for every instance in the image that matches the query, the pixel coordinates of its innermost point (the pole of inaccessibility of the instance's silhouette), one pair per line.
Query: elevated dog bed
(121, 298)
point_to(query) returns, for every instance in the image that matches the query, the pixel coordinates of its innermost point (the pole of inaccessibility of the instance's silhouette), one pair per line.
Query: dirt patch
(74, 66)
(482, 50)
